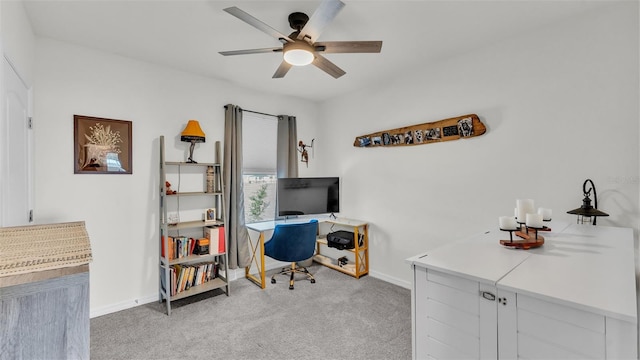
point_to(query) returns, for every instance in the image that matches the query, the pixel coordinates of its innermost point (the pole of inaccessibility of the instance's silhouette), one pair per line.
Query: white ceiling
(188, 34)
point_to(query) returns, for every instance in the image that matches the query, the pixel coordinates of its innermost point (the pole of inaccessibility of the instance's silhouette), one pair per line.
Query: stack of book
(179, 247)
(183, 277)
(182, 246)
(217, 244)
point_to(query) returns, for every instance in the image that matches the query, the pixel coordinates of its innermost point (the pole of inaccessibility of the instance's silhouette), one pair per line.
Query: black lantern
(586, 211)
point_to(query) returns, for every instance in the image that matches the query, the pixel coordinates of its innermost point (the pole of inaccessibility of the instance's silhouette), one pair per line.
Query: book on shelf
(183, 277)
(189, 276)
(179, 247)
(200, 270)
(205, 273)
(170, 245)
(192, 245)
(211, 274)
(173, 281)
(163, 281)
(196, 276)
(183, 248)
(217, 244)
(222, 246)
(202, 246)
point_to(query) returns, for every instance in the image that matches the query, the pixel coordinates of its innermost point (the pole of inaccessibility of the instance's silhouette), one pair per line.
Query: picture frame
(173, 217)
(101, 146)
(210, 215)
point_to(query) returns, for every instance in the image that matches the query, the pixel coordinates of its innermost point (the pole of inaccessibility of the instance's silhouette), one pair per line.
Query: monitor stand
(333, 216)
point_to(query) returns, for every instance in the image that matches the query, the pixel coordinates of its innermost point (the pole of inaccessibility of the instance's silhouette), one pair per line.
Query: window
(259, 146)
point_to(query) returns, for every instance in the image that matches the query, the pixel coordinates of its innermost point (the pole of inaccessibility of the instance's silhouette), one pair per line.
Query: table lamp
(586, 210)
(192, 133)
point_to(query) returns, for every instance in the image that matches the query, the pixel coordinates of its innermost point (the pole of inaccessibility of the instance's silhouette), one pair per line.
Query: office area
(562, 94)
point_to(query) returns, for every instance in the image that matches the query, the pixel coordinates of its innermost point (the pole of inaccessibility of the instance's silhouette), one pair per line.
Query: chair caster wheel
(273, 281)
(313, 281)
(291, 287)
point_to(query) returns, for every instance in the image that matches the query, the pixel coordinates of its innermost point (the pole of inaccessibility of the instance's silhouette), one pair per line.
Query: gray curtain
(287, 162)
(236, 231)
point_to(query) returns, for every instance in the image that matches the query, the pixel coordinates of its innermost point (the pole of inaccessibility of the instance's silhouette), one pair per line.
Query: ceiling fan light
(299, 53)
(298, 57)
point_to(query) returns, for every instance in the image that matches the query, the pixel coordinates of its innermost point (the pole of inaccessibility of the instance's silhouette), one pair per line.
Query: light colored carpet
(338, 317)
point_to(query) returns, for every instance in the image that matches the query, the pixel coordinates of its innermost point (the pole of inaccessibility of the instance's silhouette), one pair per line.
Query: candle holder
(535, 231)
(524, 214)
(528, 235)
(510, 235)
(546, 217)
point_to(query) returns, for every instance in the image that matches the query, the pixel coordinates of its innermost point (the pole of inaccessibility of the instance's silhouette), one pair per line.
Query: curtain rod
(255, 112)
(261, 113)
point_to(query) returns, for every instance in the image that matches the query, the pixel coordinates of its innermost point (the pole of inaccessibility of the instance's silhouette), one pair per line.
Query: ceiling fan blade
(249, 19)
(251, 51)
(282, 70)
(324, 14)
(349, 46)
(327, 66)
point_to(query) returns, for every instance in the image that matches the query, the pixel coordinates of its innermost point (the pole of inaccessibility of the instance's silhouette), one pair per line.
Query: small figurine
(304, 154)
(168, 186)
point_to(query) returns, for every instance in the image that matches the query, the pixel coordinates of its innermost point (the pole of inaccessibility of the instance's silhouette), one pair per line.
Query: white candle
(534, 220)
(524, 206)
(546, 213)
(507, 223)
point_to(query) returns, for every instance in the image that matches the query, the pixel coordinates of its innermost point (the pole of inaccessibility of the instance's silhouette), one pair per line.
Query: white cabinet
(455, 291)
(537, 328)
(573, 298)
(451, 316)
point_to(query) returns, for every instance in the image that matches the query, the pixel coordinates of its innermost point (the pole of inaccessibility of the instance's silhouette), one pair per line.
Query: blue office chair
(292, 243)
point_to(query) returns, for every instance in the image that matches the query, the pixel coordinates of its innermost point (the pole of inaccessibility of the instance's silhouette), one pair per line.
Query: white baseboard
(124, 305)
(234, 274)
(390, 279)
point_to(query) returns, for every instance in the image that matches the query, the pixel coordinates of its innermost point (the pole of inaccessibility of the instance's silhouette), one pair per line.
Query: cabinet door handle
(489, 296)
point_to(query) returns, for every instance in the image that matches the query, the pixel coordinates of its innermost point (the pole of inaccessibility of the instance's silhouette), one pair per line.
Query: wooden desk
(258, 259)
(361, 253)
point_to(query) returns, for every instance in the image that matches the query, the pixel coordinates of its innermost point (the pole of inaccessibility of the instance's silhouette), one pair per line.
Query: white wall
(560, 105)
(121, 211)
(544, 96)
(18, 41)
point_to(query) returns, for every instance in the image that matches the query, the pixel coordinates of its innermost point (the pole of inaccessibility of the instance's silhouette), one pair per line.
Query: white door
(15, 151)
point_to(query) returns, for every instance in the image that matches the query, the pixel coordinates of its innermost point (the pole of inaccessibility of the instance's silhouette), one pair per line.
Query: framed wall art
(101, 146)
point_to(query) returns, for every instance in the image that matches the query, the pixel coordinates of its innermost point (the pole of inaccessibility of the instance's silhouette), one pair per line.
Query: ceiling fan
(301, 46)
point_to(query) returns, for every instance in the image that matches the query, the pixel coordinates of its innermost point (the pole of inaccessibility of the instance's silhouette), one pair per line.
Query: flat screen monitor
(308, 196)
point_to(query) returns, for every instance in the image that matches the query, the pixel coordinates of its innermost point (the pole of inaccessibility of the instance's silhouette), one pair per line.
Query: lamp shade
(299, 53)
(192, 132)
(586, 210)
